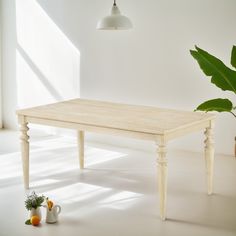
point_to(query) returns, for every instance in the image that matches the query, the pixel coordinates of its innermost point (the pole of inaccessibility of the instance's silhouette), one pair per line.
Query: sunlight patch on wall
(31, 90)
(48, 64)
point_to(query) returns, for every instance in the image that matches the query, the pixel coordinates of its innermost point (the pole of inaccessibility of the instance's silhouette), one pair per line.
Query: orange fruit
(35, 220)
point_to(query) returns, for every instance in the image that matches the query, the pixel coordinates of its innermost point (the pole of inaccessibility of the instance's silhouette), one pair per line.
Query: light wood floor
(116, 194)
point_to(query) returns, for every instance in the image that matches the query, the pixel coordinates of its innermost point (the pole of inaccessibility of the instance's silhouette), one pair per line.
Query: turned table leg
(162, 178)
(80, 138)
(25, 153)
(209, 156)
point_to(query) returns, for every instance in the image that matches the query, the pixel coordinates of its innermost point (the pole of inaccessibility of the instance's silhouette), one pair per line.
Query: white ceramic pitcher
(52, 215)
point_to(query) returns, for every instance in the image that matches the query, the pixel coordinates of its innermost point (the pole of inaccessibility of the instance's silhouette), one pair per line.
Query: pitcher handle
(59, 209)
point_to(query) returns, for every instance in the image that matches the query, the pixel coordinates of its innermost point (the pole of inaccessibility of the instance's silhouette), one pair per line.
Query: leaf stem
(233, 114)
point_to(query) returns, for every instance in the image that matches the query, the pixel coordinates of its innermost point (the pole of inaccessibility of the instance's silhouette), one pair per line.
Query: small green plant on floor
(34, 201)
(221, 75)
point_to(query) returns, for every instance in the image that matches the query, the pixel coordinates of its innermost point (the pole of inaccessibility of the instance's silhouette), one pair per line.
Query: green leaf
(233, 57)
(218, 104)
(221, 75)
(27, 222)
(34, 201)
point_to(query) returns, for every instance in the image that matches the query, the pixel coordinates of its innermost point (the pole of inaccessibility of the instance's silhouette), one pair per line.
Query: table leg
(80, 138)
(162, 178)
(25, 153)
(209, 156)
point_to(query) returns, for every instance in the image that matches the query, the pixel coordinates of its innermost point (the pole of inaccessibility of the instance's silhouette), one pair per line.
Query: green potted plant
(222, 76)
(33, 203)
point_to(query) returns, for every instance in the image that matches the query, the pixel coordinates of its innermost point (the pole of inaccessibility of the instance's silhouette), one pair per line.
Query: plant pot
(36, 212)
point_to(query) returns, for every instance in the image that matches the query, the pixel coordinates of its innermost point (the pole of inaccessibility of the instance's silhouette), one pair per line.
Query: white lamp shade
(115, 21)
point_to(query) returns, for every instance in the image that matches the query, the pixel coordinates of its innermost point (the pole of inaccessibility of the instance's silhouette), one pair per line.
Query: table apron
(92, 128)
(128, 133)
(187, 130)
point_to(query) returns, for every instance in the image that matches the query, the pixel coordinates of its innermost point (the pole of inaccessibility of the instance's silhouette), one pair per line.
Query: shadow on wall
(47, 63)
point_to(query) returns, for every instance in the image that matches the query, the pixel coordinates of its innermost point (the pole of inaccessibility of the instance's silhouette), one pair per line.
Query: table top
(144, 119)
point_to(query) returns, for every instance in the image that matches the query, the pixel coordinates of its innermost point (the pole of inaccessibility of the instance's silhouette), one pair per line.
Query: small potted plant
(33, 204)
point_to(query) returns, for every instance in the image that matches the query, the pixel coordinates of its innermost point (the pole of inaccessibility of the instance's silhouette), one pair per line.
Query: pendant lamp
(115, 21)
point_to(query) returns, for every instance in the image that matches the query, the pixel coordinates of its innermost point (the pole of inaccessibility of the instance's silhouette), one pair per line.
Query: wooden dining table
(142, 122)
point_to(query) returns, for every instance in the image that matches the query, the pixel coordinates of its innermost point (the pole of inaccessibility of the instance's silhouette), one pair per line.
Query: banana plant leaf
(221, 75)
(233, 57)
(218, 104)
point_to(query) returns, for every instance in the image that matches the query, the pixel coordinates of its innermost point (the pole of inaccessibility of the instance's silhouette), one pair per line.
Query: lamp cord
(114, 4)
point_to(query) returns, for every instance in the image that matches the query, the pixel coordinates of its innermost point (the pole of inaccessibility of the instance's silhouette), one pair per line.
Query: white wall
(9, 93)
(40, 64)
(148, 65)
(0, 65)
